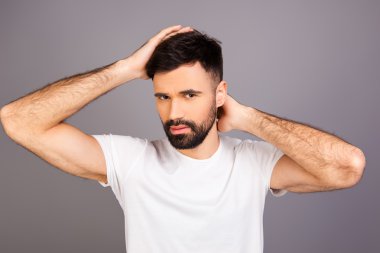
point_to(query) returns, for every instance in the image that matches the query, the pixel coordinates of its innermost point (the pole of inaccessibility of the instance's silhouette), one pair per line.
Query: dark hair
(186, 48)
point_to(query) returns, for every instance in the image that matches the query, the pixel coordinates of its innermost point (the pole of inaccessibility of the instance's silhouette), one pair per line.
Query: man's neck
(207, 148)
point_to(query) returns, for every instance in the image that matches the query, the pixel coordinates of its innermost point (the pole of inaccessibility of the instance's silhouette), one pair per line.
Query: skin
(184, 93)
(313, 160)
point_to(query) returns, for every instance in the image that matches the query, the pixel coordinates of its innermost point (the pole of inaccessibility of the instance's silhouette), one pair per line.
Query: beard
(198, 132)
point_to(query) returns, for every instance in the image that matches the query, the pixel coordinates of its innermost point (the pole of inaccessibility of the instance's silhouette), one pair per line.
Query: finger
(163, 33)
(183, 30)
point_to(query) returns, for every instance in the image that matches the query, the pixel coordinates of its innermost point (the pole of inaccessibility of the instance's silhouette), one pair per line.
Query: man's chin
(179, 142)
(185, 147)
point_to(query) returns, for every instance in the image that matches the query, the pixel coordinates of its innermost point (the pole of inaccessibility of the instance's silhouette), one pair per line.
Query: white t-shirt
(174, 203)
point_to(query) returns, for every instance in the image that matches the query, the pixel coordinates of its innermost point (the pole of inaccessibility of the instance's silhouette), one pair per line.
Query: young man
(195, 191)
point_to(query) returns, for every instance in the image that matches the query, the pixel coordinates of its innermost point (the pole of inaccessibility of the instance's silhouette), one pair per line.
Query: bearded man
(196, 190)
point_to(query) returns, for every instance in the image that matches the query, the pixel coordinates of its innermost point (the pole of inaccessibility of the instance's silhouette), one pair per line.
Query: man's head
(186, 48)
(187, 73)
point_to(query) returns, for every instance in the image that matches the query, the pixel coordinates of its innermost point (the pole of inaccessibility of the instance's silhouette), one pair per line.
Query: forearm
(48, 106)
(312, 149)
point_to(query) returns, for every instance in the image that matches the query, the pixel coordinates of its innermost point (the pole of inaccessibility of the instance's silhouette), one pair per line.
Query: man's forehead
(189, 76)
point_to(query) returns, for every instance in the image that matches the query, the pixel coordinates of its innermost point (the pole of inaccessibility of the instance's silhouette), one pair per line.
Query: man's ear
(221, 93)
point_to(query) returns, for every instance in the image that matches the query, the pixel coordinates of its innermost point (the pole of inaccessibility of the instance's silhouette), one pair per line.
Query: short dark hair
(187, 48)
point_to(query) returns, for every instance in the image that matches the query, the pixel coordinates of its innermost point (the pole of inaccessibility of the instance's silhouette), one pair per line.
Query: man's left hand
(233, 115)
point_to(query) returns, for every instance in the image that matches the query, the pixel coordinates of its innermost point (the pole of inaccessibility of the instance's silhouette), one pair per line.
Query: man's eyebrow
(160, 94)
(190, 91)
(184, 92)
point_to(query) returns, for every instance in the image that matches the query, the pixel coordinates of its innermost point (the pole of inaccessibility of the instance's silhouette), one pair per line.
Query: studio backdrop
(316, 62)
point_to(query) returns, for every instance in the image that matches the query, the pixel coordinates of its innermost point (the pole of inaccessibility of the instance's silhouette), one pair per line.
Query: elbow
(358, 164)
(350, 175)
(7, 121)
(3, 113)
(4, 118)
(15, 126)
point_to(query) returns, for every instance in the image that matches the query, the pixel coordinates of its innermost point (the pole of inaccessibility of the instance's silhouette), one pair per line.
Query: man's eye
(163, 97)
(190, 95)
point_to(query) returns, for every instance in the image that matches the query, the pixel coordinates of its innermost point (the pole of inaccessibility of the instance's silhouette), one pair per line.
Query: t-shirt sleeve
(267, 156)
(120, 153)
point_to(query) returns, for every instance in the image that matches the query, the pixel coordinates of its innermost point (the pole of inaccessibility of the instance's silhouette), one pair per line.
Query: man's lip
(178, 127)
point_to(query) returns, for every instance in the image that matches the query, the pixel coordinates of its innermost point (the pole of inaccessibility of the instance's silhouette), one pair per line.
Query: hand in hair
(140, 57)
(232, 115)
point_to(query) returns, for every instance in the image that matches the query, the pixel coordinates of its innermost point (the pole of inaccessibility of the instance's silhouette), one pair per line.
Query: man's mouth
(180, 129)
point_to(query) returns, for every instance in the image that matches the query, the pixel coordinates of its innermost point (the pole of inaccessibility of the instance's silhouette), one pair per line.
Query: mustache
(178, 122)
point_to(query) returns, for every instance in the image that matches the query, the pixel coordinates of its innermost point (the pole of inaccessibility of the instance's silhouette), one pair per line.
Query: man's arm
(313, 160)
(35, 121)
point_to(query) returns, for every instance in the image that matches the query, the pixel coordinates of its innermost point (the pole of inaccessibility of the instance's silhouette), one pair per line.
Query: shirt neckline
(185, 160)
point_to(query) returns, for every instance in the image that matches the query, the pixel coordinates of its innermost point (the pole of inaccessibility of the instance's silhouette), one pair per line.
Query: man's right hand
(138, 59)
(35, 121)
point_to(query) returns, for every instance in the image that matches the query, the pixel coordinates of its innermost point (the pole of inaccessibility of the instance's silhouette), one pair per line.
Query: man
(196, 191)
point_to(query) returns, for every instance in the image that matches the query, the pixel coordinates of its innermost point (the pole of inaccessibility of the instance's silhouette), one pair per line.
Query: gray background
(311, 61)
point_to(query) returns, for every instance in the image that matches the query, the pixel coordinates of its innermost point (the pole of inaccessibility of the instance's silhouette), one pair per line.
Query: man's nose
(176, 110)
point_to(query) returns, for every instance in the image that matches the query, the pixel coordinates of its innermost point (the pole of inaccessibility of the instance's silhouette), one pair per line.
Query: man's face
(186, 104)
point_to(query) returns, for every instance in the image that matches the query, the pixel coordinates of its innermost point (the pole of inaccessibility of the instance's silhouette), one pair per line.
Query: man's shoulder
(236, 142)
(121, 140)
(243, 145)
(127, 139)
(230, 141)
